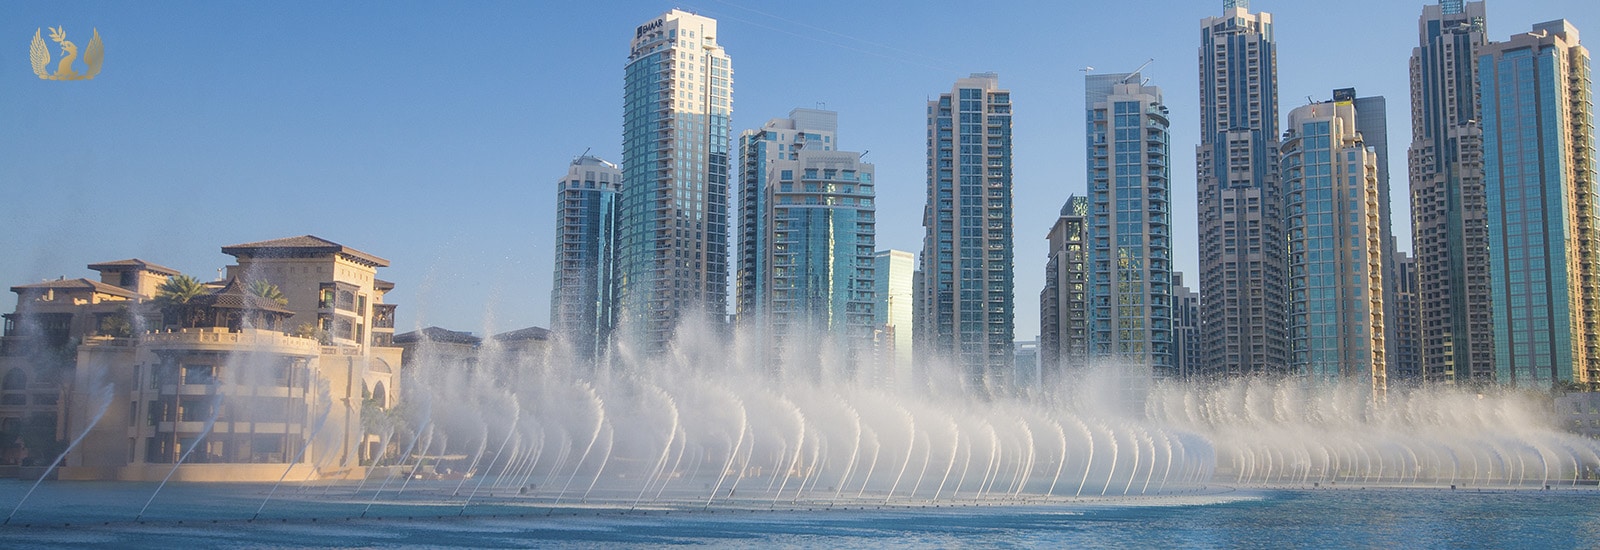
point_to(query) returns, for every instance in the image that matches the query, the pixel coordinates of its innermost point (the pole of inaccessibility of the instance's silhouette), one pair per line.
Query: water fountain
(703, 430)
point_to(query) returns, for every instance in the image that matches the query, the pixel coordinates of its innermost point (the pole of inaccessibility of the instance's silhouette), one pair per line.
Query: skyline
(238, 133)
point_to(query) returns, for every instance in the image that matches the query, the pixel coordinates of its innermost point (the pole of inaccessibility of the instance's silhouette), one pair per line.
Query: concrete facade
(1243, 266)
(236, 387)
(1449, 210)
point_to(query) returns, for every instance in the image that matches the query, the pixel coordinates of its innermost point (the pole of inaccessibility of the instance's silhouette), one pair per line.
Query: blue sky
(433, 134)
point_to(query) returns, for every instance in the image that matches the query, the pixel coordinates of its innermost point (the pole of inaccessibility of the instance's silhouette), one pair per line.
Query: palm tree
(264, 289)
(174, 295)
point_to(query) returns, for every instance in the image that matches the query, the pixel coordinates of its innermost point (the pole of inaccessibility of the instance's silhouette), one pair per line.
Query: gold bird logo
(93, 55)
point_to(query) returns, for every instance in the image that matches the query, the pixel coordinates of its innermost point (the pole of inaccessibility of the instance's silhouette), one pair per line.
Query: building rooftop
(591, 160)
(436, 334)
(78, 284)
(294, 246)
(530, 333)
(135, 263)
(234, 295)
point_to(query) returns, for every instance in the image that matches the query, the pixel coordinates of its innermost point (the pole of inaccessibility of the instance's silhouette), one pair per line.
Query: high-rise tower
(1242, 260)
(1448, 206)
(892, 273)
(1405, 355)
(583, 293)
(1063, 304)
(1544, 248)
(1335, 238)
(1372, 122)
(964, 311)
(1128, 231)
(673, 253)
(807, 238)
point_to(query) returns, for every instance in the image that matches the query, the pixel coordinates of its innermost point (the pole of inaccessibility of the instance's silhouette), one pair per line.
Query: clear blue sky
(432, 134)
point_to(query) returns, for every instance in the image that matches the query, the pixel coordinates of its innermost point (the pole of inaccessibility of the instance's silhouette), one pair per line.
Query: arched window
(379, 396)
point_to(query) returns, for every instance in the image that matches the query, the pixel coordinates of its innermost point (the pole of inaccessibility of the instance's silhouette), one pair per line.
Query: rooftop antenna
(1136, 71)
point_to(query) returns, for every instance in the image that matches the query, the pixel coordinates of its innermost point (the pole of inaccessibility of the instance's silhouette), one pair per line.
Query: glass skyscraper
(1539, 164)
(673, 253)
(1448, 206)
(1063, 304)
(1336, 247)
(892, 274)
(583, 294)
(964, 311)
(1243, 267)
(807, 235)
(1128, 231)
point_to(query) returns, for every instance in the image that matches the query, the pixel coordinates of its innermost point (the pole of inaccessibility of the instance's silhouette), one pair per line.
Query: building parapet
(224, 340)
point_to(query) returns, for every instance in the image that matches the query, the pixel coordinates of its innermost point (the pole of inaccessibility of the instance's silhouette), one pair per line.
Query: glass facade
(1063, 305)
(892, 289)
(673, 245)
(583, 292)
(1539, 167)
(807, 236)
(965, 310)
(1335, 239)
(1128, 227)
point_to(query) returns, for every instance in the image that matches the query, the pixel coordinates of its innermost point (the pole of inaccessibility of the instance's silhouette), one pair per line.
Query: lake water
(430, 515)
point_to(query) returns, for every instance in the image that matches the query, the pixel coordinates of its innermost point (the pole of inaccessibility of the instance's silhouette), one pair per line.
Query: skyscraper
(1128, 230)
(1185, 329)
(1539, 164)
(583, 292)
(1448, 212)
(1335, 238)
(1405, 356)
(1372, 121)
(779, 140)
(807, 238)
(1243, 298)
(892, 273)
(964, 312)
(1063, 304)
(673, 253)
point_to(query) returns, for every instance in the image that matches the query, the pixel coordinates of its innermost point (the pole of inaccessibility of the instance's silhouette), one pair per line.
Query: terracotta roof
(234, 295)
(79, 284)
(303, 243)
(436, 334)
(530, 333)
(136, 263)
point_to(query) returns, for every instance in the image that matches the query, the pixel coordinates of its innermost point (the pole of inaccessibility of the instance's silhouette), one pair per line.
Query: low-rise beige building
(228, 385)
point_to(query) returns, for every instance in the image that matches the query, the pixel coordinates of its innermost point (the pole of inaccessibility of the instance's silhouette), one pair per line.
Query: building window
(199, 374)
